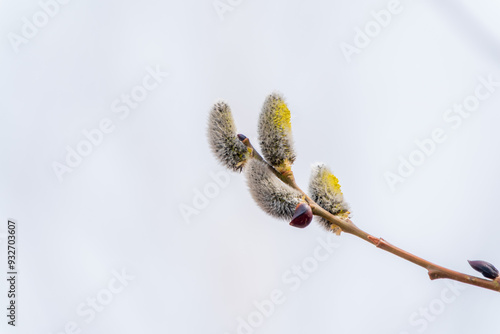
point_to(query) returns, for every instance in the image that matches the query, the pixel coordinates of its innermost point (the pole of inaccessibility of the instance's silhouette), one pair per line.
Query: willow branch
(435, 271)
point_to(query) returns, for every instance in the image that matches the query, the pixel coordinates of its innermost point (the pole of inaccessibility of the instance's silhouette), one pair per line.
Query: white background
(120, 209)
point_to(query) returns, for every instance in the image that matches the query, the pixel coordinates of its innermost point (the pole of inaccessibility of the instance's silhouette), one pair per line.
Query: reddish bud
(241, 137)
(487, 269)
(302, 217)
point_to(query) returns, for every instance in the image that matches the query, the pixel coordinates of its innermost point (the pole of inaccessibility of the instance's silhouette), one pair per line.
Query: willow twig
(346, 225)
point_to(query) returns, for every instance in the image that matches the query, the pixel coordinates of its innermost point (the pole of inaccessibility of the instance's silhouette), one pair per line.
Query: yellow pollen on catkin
(281, 117)
(332, 182)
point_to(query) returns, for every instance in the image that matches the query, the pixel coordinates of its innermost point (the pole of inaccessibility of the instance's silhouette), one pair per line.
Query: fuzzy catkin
(275, 132)
(222, 137)
(270, 193)
(324, 189)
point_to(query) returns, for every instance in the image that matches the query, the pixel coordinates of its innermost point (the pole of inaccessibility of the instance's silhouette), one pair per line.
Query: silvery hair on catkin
(275, 133)
(269, 192)
(324, 189)
(228, 149)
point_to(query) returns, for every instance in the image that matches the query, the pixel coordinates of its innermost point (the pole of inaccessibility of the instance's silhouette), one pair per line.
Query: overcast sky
(126, 223)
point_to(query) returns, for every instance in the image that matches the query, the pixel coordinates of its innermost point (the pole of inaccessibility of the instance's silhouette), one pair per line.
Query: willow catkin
(269, 192)
(324, 189)
(228, 149)
(275, 132)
